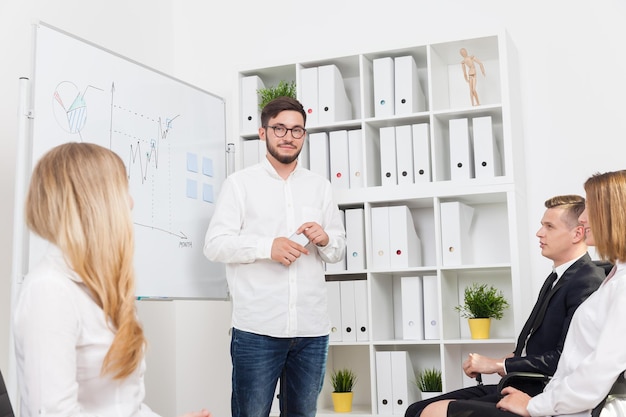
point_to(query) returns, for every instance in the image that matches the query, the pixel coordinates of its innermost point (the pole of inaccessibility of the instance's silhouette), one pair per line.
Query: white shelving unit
(497, 236)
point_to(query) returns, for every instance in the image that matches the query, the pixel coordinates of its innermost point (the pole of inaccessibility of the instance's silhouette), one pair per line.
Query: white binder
(333, 292)
(250, 112)
(431, 307)
(412, 308)
(355, 158)
(339, 165)
(380, 238)
(421, 153)
(334, 104)
(318, 154)
(487, 161)
(250, 151)
(308, 95)
(409, 97)
(348, 312)
(360, 307)
(355, 239)
(404, 154)
(388, 174)
(461, 150)
(383, 73)
(405, 249)
(384, 383)
(404, 390)
(456, 220)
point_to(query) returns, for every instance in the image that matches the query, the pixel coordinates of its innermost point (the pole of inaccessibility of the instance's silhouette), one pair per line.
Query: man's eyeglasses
(281, 131)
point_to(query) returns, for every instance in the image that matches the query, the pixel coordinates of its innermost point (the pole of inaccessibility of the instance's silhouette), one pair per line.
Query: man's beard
(283, 159)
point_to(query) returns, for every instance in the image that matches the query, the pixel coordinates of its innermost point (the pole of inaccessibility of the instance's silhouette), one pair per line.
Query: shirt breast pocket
(311, 214)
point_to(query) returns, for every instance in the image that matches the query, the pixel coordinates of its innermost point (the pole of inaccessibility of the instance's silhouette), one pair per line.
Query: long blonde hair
(606, 200)
(78, 200)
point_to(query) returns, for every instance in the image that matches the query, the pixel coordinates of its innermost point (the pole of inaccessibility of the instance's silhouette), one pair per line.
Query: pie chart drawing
(70, 107)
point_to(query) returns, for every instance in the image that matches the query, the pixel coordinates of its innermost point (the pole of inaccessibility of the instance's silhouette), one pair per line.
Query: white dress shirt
(593, 356)
(61, 338)
(255, 206)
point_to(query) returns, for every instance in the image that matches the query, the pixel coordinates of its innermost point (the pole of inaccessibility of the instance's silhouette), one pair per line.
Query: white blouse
(61, 338)
(593, 356)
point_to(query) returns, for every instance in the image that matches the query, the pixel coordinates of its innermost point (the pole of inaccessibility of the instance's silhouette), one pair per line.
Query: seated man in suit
(574, 278)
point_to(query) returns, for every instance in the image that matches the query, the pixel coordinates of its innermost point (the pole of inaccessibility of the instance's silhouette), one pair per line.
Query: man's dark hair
(278, 105)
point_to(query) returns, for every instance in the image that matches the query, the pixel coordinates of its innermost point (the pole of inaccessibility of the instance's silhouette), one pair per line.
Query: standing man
(574, 277)
(280, 316)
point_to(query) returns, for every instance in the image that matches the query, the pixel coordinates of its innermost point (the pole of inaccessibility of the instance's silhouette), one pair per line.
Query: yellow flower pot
(342, 401)
(479, 328)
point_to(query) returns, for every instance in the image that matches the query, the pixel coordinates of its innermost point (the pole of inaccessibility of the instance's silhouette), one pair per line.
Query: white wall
(573, 89)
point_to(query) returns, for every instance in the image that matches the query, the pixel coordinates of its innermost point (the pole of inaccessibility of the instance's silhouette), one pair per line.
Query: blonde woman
(79, 345)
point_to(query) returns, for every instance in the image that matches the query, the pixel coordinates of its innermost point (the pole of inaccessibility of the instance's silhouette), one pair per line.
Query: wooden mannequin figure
(469, 72)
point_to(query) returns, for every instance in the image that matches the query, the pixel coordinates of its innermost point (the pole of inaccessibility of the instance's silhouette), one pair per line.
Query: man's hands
(287, 251)
(478, 364)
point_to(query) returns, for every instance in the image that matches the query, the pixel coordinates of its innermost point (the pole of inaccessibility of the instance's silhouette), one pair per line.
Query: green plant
(283, 88)
(482, 301)
(343, 380)
(429, 380)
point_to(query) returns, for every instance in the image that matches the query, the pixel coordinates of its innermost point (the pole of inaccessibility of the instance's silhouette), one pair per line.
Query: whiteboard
(170, 135)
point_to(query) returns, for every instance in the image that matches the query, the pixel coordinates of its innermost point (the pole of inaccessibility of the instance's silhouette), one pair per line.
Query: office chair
(534, 383)
(5, 403)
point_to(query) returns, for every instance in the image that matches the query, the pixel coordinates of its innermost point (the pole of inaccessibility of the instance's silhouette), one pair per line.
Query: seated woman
(594, 353)
(79, 345)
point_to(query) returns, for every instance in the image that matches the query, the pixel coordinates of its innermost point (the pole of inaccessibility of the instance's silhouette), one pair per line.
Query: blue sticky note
(192, 189)
(192, 162)
(207, 193)
(207, 167)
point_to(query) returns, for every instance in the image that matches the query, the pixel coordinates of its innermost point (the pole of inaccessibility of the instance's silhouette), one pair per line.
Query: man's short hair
(572, 204)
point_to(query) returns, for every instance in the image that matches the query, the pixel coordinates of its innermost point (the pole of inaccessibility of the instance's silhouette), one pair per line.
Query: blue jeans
(260, 361)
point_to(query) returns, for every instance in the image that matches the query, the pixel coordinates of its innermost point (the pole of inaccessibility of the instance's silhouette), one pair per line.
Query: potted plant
(482, 303)
(283, 88)
(343, 380)
(429, 383)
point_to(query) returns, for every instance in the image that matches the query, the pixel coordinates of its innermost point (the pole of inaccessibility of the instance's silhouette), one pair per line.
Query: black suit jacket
(544, 346)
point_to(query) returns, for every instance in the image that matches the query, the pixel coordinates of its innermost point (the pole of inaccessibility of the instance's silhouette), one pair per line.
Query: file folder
(319, 154)
(355, 239)
(405, 249)
(461, 150)
(388, 172)
(250, 100)
(404, 154)
(360, 307)
(456, 221)
(333, 292)
(339, 165)
(356, 156)
(409, 96)
(383, 73)
(380, 238)
(404, 391)
(334, 104)
(384, 383)
(309, 95)
(421, 153)
(251, 151)
(487, 161)
(431, 307)
(348, 311)
(412, 308)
